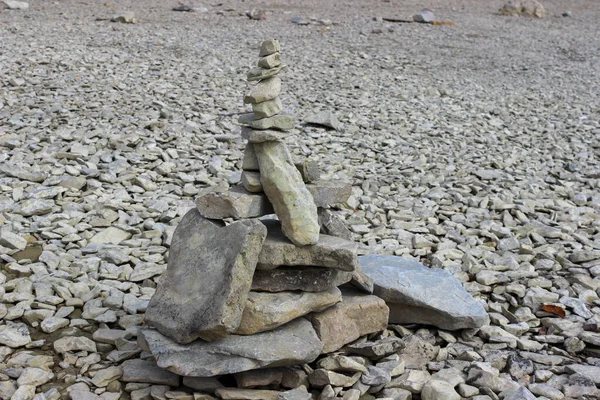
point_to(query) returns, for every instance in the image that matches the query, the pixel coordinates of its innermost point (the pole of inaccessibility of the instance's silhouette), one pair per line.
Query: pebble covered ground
(473, 147)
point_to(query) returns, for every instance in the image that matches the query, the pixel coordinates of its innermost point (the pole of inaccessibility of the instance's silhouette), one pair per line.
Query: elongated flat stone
(267, 108)
(267, 311)
(256, 74)
(329, 193)
(246, 394)
(282, 122)
(236, 203)
(204, 290)
(328, 252)
(417, 294)
(306, 279)
(292, 344)
(270, 61)
(260, 136)
(284, 187)
(267, 89)
(350, 319)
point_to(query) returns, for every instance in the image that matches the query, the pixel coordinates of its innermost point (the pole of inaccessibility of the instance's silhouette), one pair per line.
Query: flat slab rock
(306, 279)
(356, 315)
(328, 252)
(236, 203)
(421, 295)
(203, 292)
(292, 344)
(266, 311)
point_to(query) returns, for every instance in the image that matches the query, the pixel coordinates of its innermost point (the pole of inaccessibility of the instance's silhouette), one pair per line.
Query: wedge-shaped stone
(269, 47)
(236, 203)
(307, 279)
(328, 252)
(203, 292)
(251, 181)
(292, 344)
(249, 162)
(256, 74)
(260, 136)
(267, 311)
(355, 316)
(420, 295)
(328, 193)
(282, 122)
(270, 61)
(267, 89)
(310, 171)
(267, 108)
(284, 187)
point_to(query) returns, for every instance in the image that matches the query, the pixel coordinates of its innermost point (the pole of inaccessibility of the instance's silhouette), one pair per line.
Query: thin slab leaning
(328, 252)
(420, 295)
(203, 292)
(292, 344)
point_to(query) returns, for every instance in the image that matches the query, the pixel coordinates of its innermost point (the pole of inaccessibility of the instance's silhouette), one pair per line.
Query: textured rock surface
(265, 90)
(285, 189)
(203, 292)
(236, 203)
(307, 279)
(328, 252)
(417, 294)
(345, 322)
(292, 344)
(267, 311)
(327, 194)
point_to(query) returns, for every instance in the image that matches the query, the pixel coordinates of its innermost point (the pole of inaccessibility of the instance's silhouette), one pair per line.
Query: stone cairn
(259, 297)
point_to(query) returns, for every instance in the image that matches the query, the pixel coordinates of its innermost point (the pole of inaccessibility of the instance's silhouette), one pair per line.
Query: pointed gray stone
(417, 294)
(284, 187)
(265, 90)
(204, 289)
(292, 344)
(328, 252)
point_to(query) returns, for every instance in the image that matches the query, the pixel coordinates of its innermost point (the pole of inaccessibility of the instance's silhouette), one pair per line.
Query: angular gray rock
(291, 344)
(146, 371)
(236, 203)
(307, 279)
(285, 188)
(282, 122)
(327, 252)
(204, 289)
(328, 193)
(266, 311)
(326, 119)
(260, 136)
(267, 89)
(417, 294)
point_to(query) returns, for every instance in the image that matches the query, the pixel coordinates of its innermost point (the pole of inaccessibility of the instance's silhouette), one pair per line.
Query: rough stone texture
(249, 161)
(260, 136)
(256, 74)
(328, 252)
(246, 394)
(285, 189)
(281, 122)
(251, 181)
(267, 311)
(265, 90)
(326, 119)
(345, 322)
(236, 203)
(333, 225)
(267, 108)
(307, 279)
(292, 344)
(147, 372)
(310, 170)
(329, 193)
(417, 294)
(269, 47)
(270, 61)
(14, 334)
(203, 292)
(526, 8)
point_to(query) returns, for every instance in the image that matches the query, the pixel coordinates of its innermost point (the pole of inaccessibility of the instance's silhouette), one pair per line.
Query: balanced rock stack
(242, 293)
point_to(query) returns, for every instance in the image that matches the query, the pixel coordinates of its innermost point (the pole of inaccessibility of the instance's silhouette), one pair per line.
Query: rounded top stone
(269, 47)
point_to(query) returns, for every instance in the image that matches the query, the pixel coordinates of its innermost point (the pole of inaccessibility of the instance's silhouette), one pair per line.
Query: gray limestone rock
(282, 122)
(251, 181)
(261, 136)
(265, 90)
(236, 203)
(267, 311)
(270, 61)
(256, 74)
(307, 279)
(417, 294)
(326, 119)
(146, 371)
(249, 162)
(333, 225)
(204, 289)
(267, 108)
(328, 252)
(329, 193)
(284, 187)
(291, 344)
(269, 47)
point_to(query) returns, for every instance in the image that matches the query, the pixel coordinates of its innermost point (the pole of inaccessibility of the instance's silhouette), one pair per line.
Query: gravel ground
(473, 147)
